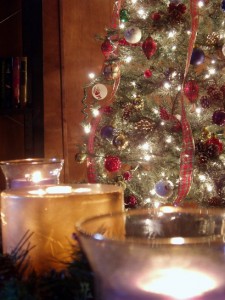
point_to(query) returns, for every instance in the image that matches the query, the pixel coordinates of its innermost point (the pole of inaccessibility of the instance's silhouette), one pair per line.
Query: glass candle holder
(163, 254)
(31, 171)
(42, 219)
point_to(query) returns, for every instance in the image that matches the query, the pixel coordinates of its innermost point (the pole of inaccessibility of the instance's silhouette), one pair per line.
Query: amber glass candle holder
(31, 171)
(162, 254)
(41, 219)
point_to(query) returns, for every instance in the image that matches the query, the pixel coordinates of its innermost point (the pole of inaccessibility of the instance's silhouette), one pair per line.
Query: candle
(31, 171)
(163, 254)
(48, 214)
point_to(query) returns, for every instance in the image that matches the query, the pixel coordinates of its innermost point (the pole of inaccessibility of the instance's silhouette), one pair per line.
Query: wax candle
(31, 171)
(48, 214)
(165, 253)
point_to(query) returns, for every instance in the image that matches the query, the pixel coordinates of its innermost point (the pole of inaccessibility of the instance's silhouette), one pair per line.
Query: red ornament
(149, 47)
(164, 114)
(215, 141)
(147, 73)
(191, 90)
(112, 163)
(130, 201)
(127, 176)
(107, 48)
(106, 110)
(156, 16)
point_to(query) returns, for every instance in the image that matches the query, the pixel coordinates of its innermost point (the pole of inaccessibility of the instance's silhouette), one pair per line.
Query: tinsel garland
(75, 282)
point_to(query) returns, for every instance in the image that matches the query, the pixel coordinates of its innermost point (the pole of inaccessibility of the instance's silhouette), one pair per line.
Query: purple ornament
(107, 132)
(218, 117)
(197, 57)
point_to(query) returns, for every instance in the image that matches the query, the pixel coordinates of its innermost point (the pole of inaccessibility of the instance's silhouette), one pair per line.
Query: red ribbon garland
(187, 154)
(91, 169)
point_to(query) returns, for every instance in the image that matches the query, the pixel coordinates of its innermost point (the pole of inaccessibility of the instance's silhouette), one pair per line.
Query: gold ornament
(80, 157)
(205, 134)
(145, 125)
(120, 141)
(111, 71)
(138, 103)
(213, 39)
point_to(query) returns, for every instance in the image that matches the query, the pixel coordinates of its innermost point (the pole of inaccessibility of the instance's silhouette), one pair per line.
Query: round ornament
(124, 16)
(191, 90)
(147, 73)
(164, 189)
(127, 176)
(149, 47)
(99, 91)
(107, 132)
(80, 157)
(215, 141)
(107, 48)
(111, 71)
(112, 163)
(132, 35)
(156, 16)
(197, 57)
(223, 5)
(130, 201)
(218, 117)
(120, 141)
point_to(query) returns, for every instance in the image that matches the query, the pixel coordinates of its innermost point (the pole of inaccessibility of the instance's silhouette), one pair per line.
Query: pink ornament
(147, 73)
(149, 47)
(191, 90)
(112, 163)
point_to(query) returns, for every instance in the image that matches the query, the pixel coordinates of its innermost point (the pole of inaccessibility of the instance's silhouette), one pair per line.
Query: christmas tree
(154, 117)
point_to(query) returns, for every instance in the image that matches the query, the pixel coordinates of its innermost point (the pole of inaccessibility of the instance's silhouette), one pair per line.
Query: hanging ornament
(99, 91)
(149, 47)
(107, 110)
(213, 39)
(218, 117)
(205, 102)
(124, 16)
(80, 157)
(127, 176)
(111, 71)
(130, 201)
(138, 103)
(107, 132)
(223, 5)
(112, 163)
(147, 73)
(164, 189)
(120, 141)
(144, 125)
(197, 57)
(107, 48)
(191, 90)
(132, 35)
(156, 16)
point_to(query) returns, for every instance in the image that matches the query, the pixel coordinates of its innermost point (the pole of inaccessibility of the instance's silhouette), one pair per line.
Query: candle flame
(179, 283)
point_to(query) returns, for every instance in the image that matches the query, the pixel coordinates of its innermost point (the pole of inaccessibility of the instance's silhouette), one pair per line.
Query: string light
(87, 128)
(128, 59)
(91, 75)
(200, 4)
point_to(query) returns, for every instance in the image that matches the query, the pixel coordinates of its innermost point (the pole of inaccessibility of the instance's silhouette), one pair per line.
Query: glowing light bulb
(200, 4)
(122, 25)
(209, 187)
(167, 85)
(147, 157)
(212, 71)
(169, 139)
(87, 128)
(91, 75)
(171, 34)
(128, 59)
(95, 112)
(145, 146)
(174, 48)
(202, 177)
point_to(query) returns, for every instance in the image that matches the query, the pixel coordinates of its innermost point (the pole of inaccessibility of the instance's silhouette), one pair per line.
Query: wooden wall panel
(81, 54)
(53, 129)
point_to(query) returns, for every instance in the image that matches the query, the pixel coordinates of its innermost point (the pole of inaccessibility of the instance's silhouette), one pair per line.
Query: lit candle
(165, 276)
(21, 173)
(48, 214)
